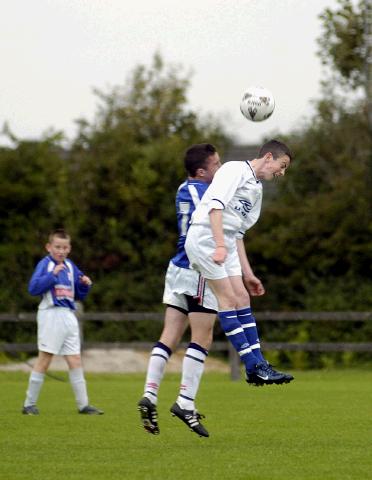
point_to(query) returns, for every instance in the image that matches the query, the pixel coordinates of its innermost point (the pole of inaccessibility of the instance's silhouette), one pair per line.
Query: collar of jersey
(250, 166)
(196, 181)
(52, 259)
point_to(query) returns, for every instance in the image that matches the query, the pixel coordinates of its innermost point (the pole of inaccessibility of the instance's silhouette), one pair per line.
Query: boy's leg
(229, 321)
(71, 353)
(175, 323)
(249, 325)
(192, 369)
(257, 373)
(193, 364)
(79, 385)
(48, 338)
(77, 380)
(35, 382)
(248, 322)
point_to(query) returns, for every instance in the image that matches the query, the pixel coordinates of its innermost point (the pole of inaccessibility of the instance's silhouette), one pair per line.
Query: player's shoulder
(188, 188)
(45, 261)
(241, 169)
(182, 186)
(44, 265)
(235, 167)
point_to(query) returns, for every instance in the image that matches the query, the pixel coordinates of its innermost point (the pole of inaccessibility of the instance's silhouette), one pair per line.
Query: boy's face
(58, 248)
(212, 164)
(276, 168)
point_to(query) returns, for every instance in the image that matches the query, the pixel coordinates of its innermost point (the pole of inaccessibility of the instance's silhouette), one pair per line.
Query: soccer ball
(257, 104)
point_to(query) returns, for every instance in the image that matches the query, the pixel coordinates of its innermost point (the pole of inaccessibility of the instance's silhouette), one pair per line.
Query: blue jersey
(188, 197)
(59, 290)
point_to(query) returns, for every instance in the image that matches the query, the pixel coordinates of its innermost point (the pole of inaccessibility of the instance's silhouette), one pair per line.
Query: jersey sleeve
(81, 290)
(41, 280)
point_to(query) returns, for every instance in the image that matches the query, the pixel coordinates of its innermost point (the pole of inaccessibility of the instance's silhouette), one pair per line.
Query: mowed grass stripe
(317, 427)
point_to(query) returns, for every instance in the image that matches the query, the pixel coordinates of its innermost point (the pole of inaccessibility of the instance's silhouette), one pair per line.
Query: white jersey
(236, 190)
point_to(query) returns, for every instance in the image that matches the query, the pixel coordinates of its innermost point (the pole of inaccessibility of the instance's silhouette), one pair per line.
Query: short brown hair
(59, 233)
(275, 147)
(196, 156)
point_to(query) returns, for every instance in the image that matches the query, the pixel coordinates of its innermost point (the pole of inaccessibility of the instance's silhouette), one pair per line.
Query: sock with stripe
(248, 322)
(34, 386)
(192, 370)
(155, 371)
(235, 334)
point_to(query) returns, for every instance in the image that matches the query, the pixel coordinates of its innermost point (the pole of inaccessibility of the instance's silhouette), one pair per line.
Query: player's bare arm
(220, 252)
(252, 283)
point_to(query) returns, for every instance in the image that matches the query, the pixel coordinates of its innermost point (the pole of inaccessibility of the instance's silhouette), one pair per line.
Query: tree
(346, 47)
(343, 43)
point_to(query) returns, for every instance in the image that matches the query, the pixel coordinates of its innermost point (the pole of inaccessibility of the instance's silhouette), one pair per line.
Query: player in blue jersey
(189, 300)
(59, 282)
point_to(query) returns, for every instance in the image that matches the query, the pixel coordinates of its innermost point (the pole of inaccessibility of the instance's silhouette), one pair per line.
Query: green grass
(318, 428)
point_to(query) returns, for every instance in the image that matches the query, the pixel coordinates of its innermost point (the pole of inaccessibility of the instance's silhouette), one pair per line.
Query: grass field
(318, 428)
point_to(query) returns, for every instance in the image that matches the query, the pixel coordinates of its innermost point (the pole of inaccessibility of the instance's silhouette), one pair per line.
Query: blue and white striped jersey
(57, 290)
(188, 197)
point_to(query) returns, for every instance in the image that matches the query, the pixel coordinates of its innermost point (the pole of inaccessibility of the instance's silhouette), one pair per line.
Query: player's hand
(219, 255)
(58, 268)
(85, 280)
(254, 286)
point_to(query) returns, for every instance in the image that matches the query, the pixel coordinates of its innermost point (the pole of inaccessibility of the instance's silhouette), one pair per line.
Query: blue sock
(248, 322)
(235, 334)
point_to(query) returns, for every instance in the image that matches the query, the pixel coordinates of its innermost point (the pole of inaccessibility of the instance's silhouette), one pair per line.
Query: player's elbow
(33, 290)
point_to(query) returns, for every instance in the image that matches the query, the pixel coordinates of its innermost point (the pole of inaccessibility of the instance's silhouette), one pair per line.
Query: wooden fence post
(79, 315)
(234, 361)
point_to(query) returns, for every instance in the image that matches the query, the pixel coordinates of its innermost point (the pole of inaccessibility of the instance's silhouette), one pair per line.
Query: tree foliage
(343, 43)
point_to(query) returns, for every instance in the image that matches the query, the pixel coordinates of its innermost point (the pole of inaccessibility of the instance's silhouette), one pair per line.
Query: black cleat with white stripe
(190, 418)
(149, 416)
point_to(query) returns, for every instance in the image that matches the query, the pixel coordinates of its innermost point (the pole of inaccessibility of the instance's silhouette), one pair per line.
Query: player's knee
(228, 302)
(242, 299)
(73, 361)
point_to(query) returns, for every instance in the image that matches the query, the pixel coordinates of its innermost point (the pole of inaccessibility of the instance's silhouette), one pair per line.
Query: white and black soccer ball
(257, 104)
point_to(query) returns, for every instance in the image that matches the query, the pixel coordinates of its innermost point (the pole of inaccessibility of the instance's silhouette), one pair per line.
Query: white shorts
(183, 281)
(200, 247)
(58, 331)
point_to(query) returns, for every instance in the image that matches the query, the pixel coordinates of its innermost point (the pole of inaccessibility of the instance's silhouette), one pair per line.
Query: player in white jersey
(215, 247)
(189, 301)
(59, 282)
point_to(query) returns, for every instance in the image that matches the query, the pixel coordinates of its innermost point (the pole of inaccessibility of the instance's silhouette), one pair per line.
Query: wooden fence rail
(217, 346)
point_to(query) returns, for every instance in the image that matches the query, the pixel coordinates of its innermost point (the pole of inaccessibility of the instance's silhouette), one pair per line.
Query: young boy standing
(59, 282)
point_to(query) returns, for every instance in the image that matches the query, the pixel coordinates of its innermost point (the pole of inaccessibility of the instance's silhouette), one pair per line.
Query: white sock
(79, 387)
(155, 371)
(192, 370)
(34, 386)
